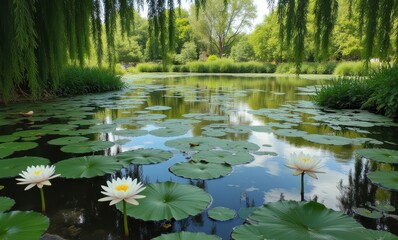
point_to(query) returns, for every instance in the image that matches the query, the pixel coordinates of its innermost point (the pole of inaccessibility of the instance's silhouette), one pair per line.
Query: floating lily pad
(144, 156)
(131, 132)
(187, 236)
(31, 133)
(60, 127)
(387, 180)
(194, 143)
(379, 155)
(169, 132)
(8, 138)
(367, 213)
(6, 203)
(223, 157)
(384, 208)
(243, 213)
(158, 108)
(266, 153)
(379, 235)
(11, 167)
(298, 220)
(87, 146)
(169, 200)
(146, 117)
(122, 141)
(67, 140)
(10, 147)
(290, 132)
(221, 213)
(103, 127)
(22, 225)
(329, 139)
(200, 170)
(87, 166)
(84, 122)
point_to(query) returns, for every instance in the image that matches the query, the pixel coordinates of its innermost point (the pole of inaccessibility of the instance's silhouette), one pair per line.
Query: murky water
(72, 204)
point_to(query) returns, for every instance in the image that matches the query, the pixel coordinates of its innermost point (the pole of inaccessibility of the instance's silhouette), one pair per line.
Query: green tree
(219, 25)
(188, 53)
(242, 51)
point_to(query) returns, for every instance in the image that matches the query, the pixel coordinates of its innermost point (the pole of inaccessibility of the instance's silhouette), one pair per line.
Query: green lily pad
(387, 180)
(22, 225)
(243, 213)
(148, 117)
(168, 200)
(11, 167)
(194, 143)
(170, 132)
(299, 220)
(221, 213)
(223, 157)
(103, 127)
(379, 235)
(187, 236)
(8, 138)
(364, 212)
(158, 108)
(67, 140)
(290, 133)
(6, 203)
(266, 153)
(60, 127)
(144, 156)
(379, 155)
(87, 166)
(200, 170)
(87, 146)
(84, 122)
(9, 148)
(329, 139)
(383, 208)
(131, 132)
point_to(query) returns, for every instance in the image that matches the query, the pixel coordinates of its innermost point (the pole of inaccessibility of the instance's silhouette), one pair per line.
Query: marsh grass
(77, 80)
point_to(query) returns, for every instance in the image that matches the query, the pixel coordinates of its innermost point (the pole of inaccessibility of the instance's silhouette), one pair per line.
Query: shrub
(384, 96)
(353, 69)
(212, 58)
(306, 68)
(343, 93)
(150, 67)
(225, 65)
(77, 80)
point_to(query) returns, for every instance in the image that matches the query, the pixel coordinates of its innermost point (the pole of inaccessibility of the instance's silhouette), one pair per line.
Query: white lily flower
(304, 163)
(122, 189)
(37, 176)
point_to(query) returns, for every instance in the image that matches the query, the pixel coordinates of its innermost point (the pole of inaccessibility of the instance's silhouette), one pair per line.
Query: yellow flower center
(122, 187)
(37, 172)
(306, 159)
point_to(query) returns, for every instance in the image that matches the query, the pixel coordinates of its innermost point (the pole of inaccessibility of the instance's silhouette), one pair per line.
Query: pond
(262, 120)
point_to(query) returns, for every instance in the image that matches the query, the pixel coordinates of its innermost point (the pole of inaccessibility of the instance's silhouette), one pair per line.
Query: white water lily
(122, 189)
(37, 176)
(304, 163)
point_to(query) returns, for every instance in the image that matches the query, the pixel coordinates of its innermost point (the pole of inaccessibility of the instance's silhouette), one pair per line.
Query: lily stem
(126, 227)
(43, 201)
(302, 187)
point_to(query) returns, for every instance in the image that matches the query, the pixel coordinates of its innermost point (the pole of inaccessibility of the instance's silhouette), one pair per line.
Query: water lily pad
(170, 132)
(145, 117)
(169, 200)
(379, 155)
(158, 108)
(87, 166)
(243, 213)
(200, 170)
(22, 225)
(6, 203)
(299, 220)
(84, 122)
(67, 140)
(266, 153)
(16, 147)
(329, 139)
(364, 212)
(194, 143)
(387, 180)
(11, 167)
(384, 208)
(8, 138)
(379, 235)
(144, 156)
(87, 146)
(131, 132)
(221, 213)
(223, 157)
(290, 132)
(187, 236)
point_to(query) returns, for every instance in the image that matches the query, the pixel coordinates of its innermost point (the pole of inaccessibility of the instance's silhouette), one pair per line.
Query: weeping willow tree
(40, 37)
(376, 22)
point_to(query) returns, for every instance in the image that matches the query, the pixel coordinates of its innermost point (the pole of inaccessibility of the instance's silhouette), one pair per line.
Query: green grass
(307, 68)
(78, 80)
(353, 69)
(224, 66)
(151, 67)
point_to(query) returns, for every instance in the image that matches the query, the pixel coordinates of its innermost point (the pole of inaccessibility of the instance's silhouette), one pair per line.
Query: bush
(150, 67)
(225, 65)
(306, 68)
(188, 53)
(78, 80)
(212, 58)
(384, 96)
(353, 69)
(343, 93)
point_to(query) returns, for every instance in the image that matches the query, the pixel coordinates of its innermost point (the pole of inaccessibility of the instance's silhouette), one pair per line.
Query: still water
(276, 113)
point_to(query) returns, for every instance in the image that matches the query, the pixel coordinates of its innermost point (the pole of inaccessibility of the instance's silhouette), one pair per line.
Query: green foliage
(212, 58)
(384, 97)
(225, 66)
(343, 93)
(306, 68)
(352, 69)
(151, 67)
(188, 53)
(78, 80)
(129, 51)
(242, 51)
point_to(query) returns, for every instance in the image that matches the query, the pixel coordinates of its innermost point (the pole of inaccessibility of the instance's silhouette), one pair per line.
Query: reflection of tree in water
(360, 192)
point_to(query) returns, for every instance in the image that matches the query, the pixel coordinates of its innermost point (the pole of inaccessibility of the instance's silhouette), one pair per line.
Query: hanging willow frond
(385, 27)
(325, 12)
(301, 30)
